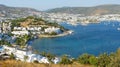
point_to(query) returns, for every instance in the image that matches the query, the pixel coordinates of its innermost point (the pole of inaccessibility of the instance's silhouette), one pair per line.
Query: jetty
(58, 35)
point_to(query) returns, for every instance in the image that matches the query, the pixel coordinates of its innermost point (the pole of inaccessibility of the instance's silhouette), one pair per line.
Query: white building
(21, 54)
(6, 27)
(36, 57)
(52, 29)
(23, 30)
(19, 28)
(20, 32)
(56, 60)
(9, 50)
(34, 28)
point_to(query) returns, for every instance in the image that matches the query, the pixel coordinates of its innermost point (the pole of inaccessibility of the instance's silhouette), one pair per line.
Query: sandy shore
(59, 35)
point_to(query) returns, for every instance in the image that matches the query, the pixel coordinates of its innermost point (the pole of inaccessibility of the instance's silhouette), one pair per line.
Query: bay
(93, 39)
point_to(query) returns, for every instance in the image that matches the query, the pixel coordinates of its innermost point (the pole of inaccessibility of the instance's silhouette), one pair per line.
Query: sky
(48, 4)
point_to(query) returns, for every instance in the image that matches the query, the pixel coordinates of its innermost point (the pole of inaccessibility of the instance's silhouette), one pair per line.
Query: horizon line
(56, 7)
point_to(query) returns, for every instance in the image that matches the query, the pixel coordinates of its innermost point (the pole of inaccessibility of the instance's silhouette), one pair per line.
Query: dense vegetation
(4, 42)
(66, 60)
(35, 21)
(22, 41)
(103, 60)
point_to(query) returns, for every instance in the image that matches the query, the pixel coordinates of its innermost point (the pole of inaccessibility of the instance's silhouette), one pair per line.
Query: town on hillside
(17, 35)
(20, 27)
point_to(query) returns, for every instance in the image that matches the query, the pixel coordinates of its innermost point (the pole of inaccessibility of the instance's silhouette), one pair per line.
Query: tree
(30, 17)
(115, 59)
(93, 60)
(65, 60)
(53, 33)
(12, 56)
(4, 42)
(26, 37)
(48, 55)
(104, 60)
(114, 62)
(23, 40)
(43, 53)
(84, 58)
(20, 41)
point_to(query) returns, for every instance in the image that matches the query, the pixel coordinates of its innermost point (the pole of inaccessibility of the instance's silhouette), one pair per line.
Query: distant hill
(6, 11)
(10, 12)
(96, 10)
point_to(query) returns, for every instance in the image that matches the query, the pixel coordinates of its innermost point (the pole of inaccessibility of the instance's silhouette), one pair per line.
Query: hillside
(11, 12)
(96, 10)
(6, 11)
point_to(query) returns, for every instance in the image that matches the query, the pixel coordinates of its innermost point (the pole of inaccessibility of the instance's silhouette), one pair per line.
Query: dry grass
(13, 63)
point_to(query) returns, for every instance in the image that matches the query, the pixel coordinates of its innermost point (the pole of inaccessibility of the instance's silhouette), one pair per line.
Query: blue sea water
(93, 39)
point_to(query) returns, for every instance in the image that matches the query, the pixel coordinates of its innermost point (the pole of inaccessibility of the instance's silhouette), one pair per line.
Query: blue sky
(48, 4)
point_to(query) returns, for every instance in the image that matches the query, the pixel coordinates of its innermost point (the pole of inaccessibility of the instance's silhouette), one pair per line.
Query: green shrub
(93, 60)
(35, 61)
(104, 60)
(84, 59)
(65, 60)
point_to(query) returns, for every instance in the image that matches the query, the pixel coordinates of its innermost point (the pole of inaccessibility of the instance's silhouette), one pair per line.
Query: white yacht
(118, 28)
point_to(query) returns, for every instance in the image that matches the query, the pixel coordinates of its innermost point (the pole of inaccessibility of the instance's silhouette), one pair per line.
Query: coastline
(59, 35)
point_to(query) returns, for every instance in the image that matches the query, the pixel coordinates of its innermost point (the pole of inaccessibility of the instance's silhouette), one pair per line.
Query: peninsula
(38, 27)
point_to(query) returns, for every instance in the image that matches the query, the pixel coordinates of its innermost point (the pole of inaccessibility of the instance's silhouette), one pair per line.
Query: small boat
(70, 32)
(118, 28)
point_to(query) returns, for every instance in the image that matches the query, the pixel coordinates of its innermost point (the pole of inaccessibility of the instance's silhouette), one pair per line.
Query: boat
(70, 32)
(118, 28)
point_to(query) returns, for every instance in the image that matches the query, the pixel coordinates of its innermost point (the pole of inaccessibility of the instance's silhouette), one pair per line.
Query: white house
(20, 32)
(9, 50)
(17, 28)
(56, 60)
(36, 57)
(20, 55)
(44, 60)
(52, 29)
(34, 28)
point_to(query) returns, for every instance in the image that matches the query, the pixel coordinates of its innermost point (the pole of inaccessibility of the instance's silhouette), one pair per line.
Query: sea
(93, 38)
